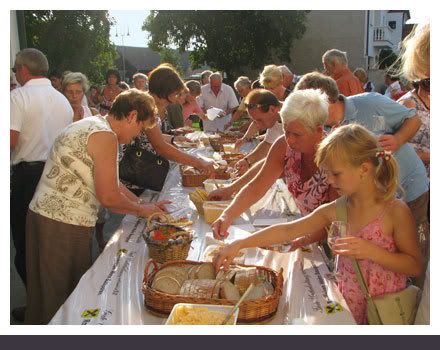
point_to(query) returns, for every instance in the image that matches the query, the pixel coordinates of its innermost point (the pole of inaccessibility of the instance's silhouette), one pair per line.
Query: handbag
(143, 168)
(397, 308)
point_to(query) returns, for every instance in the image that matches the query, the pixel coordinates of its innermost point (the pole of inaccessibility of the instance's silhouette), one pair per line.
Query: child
(382, 233)
(190, 106)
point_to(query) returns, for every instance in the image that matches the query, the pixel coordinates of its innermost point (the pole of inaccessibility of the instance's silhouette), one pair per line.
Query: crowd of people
(328, 135)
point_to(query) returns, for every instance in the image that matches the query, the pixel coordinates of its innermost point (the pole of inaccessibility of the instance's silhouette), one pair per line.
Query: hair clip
(384, 154)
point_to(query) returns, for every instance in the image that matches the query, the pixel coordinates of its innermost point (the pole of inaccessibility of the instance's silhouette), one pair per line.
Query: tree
(388, 60)
(170, 56)
(227, 40)
(73, 40)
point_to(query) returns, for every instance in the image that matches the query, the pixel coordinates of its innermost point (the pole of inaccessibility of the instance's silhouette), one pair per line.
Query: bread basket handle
(158, 215)
(147, 267)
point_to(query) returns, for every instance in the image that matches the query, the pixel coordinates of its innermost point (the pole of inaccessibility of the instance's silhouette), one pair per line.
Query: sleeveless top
(420, 141)
(378, 279)
(307, 195)
(66, 191)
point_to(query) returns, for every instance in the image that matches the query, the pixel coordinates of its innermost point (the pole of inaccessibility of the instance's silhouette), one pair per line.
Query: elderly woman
(416, 67)
(271, 78)
(243, 86)
(74, 87)
(80, 175)
(140, 81)
(166, 87)
(291, 156)
(110, 91)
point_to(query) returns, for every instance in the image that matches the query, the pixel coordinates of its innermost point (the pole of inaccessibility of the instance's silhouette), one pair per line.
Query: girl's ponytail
(387, 174)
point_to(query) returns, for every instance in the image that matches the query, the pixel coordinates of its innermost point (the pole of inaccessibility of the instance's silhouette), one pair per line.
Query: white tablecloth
(110, 292)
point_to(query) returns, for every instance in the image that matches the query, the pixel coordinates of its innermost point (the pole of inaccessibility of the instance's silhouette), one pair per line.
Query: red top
(348, 83)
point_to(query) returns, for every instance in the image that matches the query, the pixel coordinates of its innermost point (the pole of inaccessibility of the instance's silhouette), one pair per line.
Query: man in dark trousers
(38, 114)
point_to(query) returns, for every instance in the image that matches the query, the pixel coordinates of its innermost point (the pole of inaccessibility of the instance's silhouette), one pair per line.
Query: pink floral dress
(310, 194)
(378, 279)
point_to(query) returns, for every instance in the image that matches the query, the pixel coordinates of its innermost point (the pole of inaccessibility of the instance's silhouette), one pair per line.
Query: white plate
(218, 308)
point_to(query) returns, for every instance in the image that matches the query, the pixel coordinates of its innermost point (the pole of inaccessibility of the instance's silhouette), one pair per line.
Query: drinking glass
(338, 229)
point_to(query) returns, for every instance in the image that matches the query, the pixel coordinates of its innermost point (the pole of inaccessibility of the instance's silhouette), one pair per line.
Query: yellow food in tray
(189, 315)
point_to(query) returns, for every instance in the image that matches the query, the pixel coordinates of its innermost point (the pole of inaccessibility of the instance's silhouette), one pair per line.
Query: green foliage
(227, 40)
(170, 56)
(73, 40)
(388, 59)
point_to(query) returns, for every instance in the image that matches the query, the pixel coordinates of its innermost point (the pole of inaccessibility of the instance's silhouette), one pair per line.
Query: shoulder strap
(341, 215)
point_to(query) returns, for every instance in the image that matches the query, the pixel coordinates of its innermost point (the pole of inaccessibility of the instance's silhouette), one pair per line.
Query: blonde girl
(382, 233)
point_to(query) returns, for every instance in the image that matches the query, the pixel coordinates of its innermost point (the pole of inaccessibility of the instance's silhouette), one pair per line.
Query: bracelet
(172, 140)
(247, 161)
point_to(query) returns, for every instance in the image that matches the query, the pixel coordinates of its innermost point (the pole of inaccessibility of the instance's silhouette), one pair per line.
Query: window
(392, 24)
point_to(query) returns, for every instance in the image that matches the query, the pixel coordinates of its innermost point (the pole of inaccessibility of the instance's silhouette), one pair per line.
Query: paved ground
(18, 292)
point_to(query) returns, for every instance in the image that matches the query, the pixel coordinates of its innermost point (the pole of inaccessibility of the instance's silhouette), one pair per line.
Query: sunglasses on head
(250, 106)
(424, 83)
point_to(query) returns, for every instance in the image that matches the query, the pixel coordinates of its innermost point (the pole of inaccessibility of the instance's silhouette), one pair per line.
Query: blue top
(382, 115)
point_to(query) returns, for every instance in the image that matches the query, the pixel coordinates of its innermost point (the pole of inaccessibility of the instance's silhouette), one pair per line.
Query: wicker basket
(192, 180)
(251, 311)
(163, 251)
(216, 144)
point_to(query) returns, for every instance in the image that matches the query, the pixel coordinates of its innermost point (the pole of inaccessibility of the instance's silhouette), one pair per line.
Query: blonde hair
(361, 74)
(415, 54)
(271, 76)
(309, 107)
(353, 144)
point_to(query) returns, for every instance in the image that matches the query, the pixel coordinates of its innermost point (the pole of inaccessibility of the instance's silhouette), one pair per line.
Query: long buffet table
(110, 292)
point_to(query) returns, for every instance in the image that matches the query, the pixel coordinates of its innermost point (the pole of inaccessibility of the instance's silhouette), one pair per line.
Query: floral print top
(66, 191)
(310, 194)
(378, 279)
(420, 141)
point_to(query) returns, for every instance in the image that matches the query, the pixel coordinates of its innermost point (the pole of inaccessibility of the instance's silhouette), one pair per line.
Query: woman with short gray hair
(291, 156)
(74, 86)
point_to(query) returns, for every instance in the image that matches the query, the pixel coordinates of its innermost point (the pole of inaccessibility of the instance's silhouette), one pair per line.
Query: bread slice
(229, 291)
(206, 271)
(199, 288)
(167, 284)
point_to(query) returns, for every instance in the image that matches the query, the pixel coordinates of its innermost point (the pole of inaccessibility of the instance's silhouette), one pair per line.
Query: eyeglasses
(425, 84)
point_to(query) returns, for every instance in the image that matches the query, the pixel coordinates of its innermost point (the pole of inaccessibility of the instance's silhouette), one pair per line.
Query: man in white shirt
(219, 95)
(38, 114)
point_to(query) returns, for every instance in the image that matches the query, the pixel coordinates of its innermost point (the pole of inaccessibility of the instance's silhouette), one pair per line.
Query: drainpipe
(21, 29)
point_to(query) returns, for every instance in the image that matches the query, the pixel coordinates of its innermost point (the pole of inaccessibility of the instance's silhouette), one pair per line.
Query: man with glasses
(38, 114)
(264, 109)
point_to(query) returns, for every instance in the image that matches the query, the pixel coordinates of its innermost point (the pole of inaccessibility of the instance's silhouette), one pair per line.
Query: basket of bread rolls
(197, 282)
